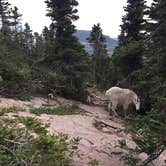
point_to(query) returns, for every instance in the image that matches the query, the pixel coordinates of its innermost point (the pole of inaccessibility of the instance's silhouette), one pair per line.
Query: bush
(14, 78)
(26, 142)
(76, 93)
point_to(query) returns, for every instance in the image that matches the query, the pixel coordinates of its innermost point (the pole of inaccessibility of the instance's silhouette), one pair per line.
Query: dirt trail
(97, 142)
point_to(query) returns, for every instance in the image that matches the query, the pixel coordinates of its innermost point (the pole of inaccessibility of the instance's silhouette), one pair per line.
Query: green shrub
(14, 78)
(30, 144)
(76, 93)
(61, 110)
(34, 125)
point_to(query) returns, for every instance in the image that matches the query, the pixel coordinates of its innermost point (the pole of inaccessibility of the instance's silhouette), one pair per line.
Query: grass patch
(93, 163)
(23, 97)
(61, 110)
(8, 110)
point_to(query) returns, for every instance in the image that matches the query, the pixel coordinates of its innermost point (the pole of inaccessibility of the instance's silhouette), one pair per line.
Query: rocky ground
(98, 133)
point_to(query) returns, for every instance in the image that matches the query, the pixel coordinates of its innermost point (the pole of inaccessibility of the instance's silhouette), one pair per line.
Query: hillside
(83, 35)
(98, 133)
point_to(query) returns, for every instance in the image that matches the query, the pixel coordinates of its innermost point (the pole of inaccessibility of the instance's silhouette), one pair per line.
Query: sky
(106, 12)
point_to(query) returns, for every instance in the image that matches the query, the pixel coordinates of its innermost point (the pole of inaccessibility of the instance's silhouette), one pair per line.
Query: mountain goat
(121, 99)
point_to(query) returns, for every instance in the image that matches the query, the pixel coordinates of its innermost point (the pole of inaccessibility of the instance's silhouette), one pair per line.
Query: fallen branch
(152, 157)
(102, 151)
(101, 124)
(9, 151)
(89, 141)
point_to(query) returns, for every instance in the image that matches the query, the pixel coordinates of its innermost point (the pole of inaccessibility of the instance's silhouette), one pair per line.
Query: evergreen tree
(133, 27)
(153, 71)
(4, 14)
(49, 40)
(100, 58)
(128, 55)
(150, 83)
(69, 60)
(14, 69)
(16, 18)
(157, 36)
(27, 40)
(38, 46)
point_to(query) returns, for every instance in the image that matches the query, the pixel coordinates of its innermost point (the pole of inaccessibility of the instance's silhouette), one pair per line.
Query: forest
(55, 62)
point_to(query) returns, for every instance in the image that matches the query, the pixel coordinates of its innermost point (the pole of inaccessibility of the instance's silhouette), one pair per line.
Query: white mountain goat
(121, 99)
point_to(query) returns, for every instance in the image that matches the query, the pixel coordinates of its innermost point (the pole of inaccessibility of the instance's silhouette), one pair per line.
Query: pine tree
(62, 13)
(100, 58)
(38, 46)
(133, 27)
(49, 40)
(27, 40)
(128, 55)
(157, 36)
(150, 83)
(4, 14)
(16, 18)
(69, 59)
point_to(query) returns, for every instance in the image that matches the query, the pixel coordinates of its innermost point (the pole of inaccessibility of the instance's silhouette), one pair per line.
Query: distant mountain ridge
(84, 34)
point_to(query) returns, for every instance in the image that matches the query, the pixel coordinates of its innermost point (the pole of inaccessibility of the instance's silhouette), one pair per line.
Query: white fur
(121, 97)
